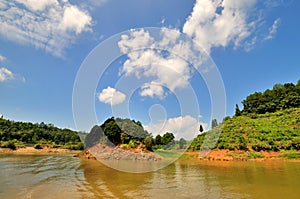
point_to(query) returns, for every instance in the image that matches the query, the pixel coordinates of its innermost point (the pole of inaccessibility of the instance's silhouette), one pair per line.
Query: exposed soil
(227, 155)
(105, 152)
(32, 150)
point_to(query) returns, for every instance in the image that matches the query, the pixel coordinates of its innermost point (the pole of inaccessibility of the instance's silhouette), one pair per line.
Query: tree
(148, 141)
(214, 123)
(237, 110)
(167, 138)
(182, 143)
(158, 140)
(201, 128)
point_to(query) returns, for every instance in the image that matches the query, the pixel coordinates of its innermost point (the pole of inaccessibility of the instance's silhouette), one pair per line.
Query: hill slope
(267, 132)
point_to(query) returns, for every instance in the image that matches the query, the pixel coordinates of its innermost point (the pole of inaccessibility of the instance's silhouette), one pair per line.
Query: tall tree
(237, 110)
(182, 143)
(214, 123)
(201, 128)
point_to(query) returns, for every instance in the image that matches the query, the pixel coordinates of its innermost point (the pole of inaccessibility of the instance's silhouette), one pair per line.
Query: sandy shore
(227, 155)
(31, 150)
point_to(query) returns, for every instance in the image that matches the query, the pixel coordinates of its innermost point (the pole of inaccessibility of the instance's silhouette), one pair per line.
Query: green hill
(20, 134)
(268, 132)
(269, 121)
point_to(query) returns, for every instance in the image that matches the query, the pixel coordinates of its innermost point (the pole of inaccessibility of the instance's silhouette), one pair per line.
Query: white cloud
(111, 96)
(152, 89)
(212, 24)
(168, 70)
(220, 23)
(75, 19)
(273, 29)
(2, 58)
(49, 25)
(5, 75)
(182, 127)
(38, 5)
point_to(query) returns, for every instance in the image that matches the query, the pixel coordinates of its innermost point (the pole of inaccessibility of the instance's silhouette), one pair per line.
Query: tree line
(19, 134)
(281, 97)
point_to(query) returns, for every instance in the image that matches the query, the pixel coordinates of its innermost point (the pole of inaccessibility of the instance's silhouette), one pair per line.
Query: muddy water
(63, 176)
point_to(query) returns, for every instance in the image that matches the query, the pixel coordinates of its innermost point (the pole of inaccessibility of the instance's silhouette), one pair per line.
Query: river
(64, 176)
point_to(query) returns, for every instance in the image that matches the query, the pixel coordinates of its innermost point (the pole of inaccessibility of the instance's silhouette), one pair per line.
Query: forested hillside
(18, 134)
(270, 121)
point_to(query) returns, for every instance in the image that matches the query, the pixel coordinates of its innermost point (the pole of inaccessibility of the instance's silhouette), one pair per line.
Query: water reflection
(62, 176)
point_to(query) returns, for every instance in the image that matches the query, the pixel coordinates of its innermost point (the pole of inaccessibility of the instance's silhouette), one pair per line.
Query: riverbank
(238, 155)
(32, 150)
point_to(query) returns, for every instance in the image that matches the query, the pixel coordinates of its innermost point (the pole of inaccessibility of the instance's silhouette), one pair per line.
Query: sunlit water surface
(64, 176)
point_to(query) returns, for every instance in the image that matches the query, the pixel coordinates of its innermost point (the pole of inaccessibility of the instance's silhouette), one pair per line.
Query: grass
(174, 154)
(291, 155)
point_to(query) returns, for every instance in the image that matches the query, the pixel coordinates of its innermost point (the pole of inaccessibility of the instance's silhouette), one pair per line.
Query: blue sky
(44, 44)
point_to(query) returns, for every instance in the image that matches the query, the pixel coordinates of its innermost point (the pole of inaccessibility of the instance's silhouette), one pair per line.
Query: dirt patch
(104, 152)
(227, 155)
(32, 150)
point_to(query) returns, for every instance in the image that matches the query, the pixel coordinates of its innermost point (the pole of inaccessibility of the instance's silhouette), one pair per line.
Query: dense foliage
(270, 121)
(268, 132)
(279, 98)
(118, 131)
(18, 134)
(129, 134)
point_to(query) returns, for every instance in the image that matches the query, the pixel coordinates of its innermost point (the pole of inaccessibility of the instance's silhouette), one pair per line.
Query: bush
(9, 144)
(132, 144)
(38, 146)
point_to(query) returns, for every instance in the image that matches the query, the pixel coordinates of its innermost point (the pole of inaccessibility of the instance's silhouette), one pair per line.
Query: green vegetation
(130, 134)
(119, 132)
(246, 154)
(18, 134)
(291, 155)
(266, 132)
(281, 97)
(270, 121)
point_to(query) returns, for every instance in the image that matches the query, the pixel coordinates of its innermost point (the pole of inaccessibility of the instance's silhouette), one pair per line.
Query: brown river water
(64, 176)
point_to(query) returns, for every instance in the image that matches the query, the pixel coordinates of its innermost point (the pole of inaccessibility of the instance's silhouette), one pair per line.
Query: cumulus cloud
(152, 89)
(111, 96)
(212, 24)
(155, 61)
(5, 75)
(182, 127)
(220, 23)
(50, 25)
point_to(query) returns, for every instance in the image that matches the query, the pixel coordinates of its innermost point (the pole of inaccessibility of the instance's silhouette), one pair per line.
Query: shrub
(38, 146)
(132, 144)
(9, 144)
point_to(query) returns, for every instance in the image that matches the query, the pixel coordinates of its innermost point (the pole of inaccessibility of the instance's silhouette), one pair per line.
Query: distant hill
(19, 134)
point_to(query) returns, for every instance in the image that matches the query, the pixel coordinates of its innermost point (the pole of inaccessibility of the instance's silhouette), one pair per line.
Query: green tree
(214, 123)
(182, 142)
(237, 110)
(148, 141)
(158, 140)
(201, 128)
(167, 138)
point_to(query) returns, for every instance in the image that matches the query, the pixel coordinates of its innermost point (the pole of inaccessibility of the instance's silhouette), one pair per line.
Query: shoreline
(33, 151)
(239, 156)
(214, 155)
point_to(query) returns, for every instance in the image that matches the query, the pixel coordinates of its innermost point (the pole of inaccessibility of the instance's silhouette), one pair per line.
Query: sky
(172, 64)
